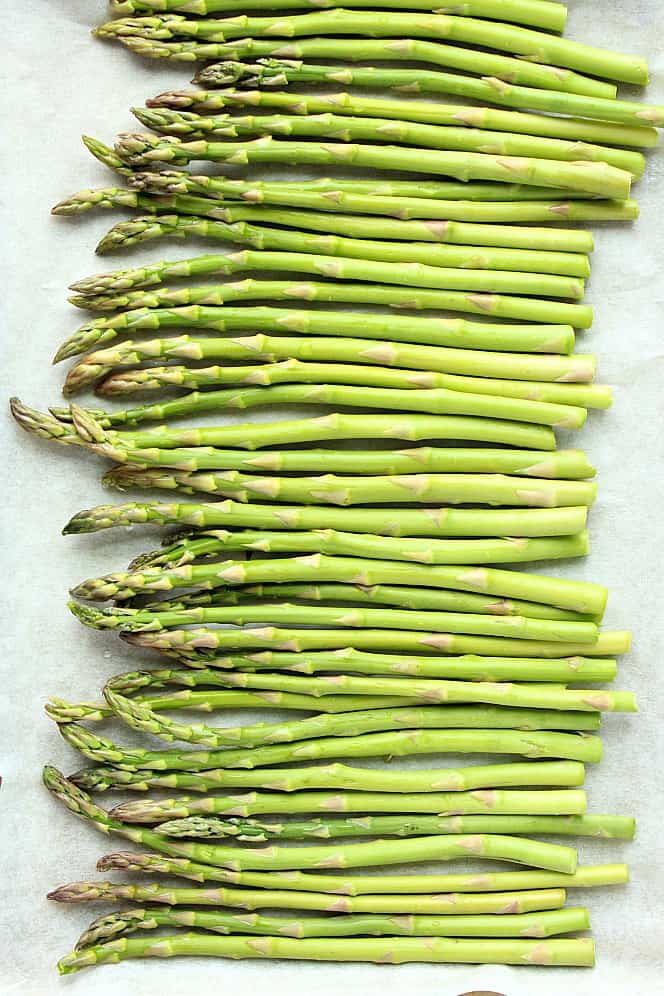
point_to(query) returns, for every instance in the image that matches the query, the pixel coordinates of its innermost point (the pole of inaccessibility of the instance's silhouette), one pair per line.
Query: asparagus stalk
(456, 115)
(139, 716)
(516, 627)
(61, 711)
(469, 363)
(255, 831)
(540, 464)
(140, 33)
(551, 285)
(498, 904)
(346, 128)
(443, 803)
(347, 888)
(550, 16)
(293, 370)
(560, 592)
(129, 233)
(523, 925)
(467, 668)
(342, 197)
(103, 290)
(552, 857)
(454, 739)
(548, 338)
(355, 570)
(353, 889)
(413, 427)
(208, 205)
(542, 696)
(283, 67)
(395, 950)
(467, 779)
(402, 596)
(595, 178)
(202, 644)
(538, 46)
(418, 489)
(437, 400)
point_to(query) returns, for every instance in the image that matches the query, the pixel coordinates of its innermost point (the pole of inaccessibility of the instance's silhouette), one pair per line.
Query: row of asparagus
(362, 593)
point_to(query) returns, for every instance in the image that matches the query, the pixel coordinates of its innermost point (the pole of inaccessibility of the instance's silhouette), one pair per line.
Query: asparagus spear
(343, 197)
(591, 178)
(405, 597)
(285, 68)
(103, 289)
(541, 464)
(346, 570)
(437, 400)
(346, 888)
(412, 427)
(395, 950)
(255, 831)
(542, 696)
(208, 206)
(473, 362)
(140, 717)
(129, 233)
(443, 803)
(294, 370)
(523, 925)
(455, 739)
(351, 891)
(202, 644)
(467, 779)
(538, 46)
(459, 115)
(549, 338)
(348, 128)
(553, 857)
(550, 16)
(467, 668)
(577, 595)
(142, 32)
(492, 489)
(418, 489)
(499, 281)
(499, 904)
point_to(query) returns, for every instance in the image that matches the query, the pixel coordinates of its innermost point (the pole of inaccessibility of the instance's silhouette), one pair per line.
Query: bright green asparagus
(129, 233)
(592, 178)
(282, 66)
(552, 857)
(523, 925)
(494, 801)
(346, 128)
(550, 16)
(405, 597)
(457, 115)
(343, 197)
(120, 446)
(414, 488)
(255, 831)
(207, 37)
(467, 779)
(395, 950)
(346, 887)
(294, 370)
(538, 46)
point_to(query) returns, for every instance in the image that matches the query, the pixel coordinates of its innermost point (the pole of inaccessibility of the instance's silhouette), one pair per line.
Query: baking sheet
(58, 83)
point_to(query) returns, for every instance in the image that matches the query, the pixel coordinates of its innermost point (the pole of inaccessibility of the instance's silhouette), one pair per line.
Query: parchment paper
(59, 82)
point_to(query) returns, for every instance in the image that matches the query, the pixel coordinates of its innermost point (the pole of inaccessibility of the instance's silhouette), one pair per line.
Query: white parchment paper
(58, 83)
